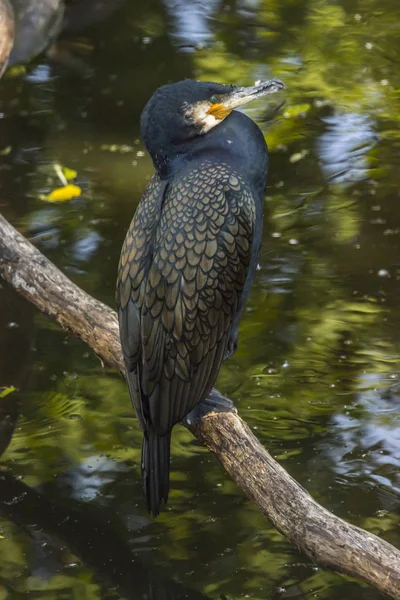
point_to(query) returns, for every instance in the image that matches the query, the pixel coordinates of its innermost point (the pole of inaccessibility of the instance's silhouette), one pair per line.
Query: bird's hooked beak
(242, 95)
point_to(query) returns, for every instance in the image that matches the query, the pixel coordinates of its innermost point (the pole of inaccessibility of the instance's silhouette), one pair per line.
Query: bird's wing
(186, 298)
(134, 265)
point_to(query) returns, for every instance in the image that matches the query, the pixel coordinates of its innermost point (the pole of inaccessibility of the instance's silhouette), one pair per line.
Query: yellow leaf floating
(6, 391)
(69, 173)
(63, 194)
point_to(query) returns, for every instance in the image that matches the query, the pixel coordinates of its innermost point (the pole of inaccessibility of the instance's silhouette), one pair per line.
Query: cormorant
(189, 257)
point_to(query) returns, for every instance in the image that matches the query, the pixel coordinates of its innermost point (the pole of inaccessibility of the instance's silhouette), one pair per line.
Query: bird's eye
(214, 100)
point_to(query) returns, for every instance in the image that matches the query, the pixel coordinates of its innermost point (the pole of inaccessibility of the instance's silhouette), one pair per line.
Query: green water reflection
(316, 373)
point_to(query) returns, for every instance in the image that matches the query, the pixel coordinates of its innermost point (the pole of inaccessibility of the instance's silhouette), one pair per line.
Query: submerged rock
(37, 23)
(83, 13)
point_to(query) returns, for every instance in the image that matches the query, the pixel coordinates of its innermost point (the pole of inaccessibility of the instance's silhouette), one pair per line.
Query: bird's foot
(232, 344)
(215, 402)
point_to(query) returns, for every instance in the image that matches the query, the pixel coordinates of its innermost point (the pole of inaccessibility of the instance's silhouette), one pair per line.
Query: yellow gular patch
(219, 111)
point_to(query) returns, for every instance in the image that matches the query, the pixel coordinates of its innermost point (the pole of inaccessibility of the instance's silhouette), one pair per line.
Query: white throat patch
(199, 115)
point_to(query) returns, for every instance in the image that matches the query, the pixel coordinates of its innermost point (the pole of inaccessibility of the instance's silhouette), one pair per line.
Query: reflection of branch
(86, 534)
(6, 33)
(322, 536)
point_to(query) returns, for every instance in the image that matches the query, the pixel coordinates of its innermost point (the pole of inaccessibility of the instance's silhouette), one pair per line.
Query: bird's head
(179, 112)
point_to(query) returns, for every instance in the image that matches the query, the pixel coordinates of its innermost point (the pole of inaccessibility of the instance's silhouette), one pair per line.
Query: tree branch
(322, 536)
(6, 33)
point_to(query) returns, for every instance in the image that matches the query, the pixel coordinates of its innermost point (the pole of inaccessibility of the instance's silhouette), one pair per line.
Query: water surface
(316, 373)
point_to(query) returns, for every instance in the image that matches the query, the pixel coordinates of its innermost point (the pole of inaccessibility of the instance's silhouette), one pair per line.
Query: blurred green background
(316, 374)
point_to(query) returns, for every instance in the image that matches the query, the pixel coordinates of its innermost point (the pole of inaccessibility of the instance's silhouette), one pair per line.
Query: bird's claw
(215, 402)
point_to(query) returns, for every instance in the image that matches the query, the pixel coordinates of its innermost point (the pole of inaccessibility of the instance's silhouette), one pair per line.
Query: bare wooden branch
(6, 33)
(322, 536)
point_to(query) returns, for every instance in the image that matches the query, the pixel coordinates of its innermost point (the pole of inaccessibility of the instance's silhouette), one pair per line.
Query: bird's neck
(237, 139)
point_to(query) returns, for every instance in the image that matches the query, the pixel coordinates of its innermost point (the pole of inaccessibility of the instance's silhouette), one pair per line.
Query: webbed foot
(215, 402)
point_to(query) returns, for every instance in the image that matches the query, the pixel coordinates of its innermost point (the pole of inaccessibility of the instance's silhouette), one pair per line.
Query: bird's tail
(155, 469)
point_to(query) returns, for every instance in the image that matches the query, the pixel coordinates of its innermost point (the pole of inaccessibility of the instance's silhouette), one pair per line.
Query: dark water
(317, 370)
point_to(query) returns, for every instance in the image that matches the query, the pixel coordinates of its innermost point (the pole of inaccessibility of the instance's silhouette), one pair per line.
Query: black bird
(189, 257)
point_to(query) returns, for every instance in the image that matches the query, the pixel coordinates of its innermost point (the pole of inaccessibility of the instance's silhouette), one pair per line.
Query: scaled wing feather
(182, 272)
